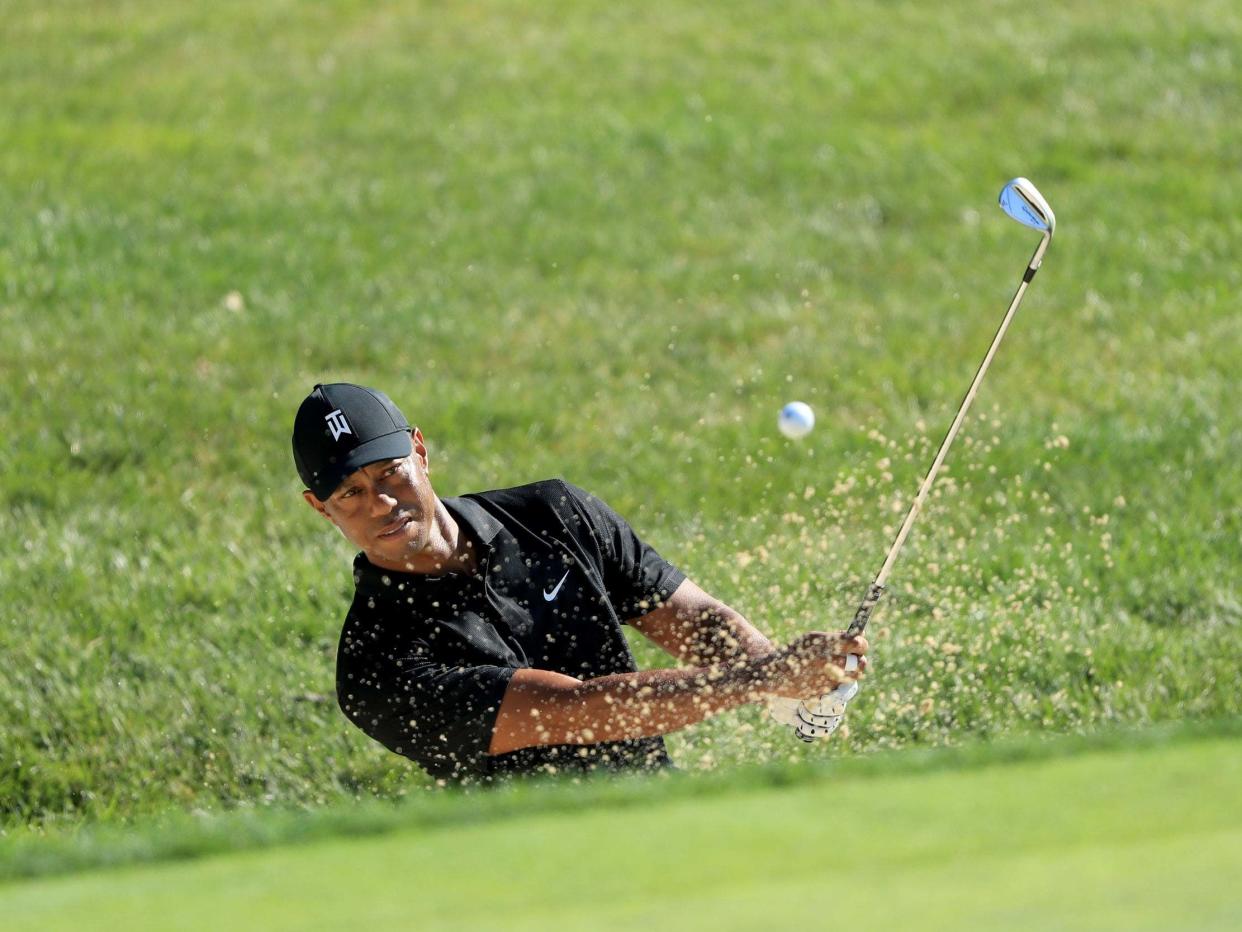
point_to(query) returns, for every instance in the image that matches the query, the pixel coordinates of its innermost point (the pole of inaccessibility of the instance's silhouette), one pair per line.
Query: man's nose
(382, 503)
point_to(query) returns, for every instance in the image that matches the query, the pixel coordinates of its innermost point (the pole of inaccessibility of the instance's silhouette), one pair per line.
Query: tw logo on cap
(338, 425)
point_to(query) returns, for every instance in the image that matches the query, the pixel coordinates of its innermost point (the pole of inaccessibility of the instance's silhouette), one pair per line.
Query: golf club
(1022, 201)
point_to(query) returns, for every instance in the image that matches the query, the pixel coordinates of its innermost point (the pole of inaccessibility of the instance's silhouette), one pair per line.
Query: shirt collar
(503, 557)
(482, 527)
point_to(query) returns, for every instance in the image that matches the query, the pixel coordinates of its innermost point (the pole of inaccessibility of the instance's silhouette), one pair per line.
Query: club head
(1022, 201)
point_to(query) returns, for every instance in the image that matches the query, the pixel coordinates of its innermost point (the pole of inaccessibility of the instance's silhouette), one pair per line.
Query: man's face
(387, 509)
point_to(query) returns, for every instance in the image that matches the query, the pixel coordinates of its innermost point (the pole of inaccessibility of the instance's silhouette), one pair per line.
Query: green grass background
(608, 242)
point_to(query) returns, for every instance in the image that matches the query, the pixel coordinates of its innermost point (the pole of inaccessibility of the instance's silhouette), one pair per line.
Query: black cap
(342, 427)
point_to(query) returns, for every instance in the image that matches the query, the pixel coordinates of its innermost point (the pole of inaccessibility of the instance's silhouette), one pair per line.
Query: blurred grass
(1140, 831)
(28, 853)
(572, 240)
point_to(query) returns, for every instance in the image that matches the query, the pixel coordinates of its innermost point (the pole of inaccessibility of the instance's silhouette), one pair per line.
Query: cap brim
(392, 446)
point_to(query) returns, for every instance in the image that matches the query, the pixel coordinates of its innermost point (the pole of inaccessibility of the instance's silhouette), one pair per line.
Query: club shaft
(859, 624)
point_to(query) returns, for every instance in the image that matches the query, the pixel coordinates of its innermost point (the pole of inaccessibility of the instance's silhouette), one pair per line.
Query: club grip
(859, 624)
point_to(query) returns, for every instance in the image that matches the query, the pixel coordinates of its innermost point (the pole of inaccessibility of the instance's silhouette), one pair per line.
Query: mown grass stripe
(1120, 838)
(180, 836)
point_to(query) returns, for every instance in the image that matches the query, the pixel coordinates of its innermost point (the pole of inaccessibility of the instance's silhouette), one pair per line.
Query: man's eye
(349, 493)
(390, 470)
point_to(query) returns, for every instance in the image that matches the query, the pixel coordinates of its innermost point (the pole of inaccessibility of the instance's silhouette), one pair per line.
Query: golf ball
(796, 420)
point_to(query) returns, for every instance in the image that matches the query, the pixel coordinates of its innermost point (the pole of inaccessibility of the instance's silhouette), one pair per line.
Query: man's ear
(420, 448)
(315, 503)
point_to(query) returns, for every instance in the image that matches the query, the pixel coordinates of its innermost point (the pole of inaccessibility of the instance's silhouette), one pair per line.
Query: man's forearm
(542, 708)
(739, 637)
(656, 702)
(699, 629)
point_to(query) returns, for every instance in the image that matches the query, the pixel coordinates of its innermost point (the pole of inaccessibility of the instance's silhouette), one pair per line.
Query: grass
(1047, 839)
(180, 835)
(572, 241)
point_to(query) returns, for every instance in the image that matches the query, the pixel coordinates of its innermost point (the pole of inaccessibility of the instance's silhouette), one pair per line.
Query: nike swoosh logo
(549, 596)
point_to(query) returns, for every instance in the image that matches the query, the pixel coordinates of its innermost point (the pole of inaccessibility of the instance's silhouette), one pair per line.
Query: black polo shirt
(424, 661)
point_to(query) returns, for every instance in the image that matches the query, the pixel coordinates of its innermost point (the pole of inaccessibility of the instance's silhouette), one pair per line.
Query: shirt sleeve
(439, 715)
(637, 578)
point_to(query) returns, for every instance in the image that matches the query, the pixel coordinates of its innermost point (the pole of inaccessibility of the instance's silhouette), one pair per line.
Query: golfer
(484, 638)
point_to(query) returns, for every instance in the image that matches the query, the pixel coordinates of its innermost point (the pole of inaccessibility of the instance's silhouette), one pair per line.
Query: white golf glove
(819, 718)
(815, 718)
(784, 711)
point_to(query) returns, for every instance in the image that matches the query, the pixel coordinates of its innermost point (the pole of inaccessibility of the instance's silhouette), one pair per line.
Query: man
(485, 638)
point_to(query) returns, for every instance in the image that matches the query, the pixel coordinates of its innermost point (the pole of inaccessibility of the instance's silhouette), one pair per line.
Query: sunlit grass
(571, 241)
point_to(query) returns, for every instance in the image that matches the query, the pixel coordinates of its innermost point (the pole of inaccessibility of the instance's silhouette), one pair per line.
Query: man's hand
(811, 665)
(810, 717)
